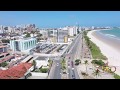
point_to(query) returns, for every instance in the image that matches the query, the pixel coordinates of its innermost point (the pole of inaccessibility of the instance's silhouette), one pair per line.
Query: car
(57, 64)
(73, 77)
(72, 63)
(64, 72)
(68, 64)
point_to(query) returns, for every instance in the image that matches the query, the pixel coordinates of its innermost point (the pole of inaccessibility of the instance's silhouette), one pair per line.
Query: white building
(72, 30)
(23, 45)
(41, 63)
(44, 33)
(10, 29)
(92, 27)
(1, 28)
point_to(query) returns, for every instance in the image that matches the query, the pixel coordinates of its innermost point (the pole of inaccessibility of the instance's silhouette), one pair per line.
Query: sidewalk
(90, 69)
(50, 76)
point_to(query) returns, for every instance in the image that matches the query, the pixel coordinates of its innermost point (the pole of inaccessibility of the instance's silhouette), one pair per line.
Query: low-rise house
(16, 72)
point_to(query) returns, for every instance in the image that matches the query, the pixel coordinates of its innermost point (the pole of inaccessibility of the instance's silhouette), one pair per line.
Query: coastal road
(55, 72)
(73, 54)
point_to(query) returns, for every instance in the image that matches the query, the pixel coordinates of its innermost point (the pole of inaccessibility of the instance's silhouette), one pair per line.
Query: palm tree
(96, 73)
(34, 63)
(93, 62)
(86, 63)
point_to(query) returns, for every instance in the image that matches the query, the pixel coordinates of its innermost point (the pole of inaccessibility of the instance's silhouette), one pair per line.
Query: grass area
(42, 70)
(116, 76)
(98, 62)
(96, 52)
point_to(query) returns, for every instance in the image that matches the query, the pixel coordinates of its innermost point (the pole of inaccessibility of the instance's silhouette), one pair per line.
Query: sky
(55, 19)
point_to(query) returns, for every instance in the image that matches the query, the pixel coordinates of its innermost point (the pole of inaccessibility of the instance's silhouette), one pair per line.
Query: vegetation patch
(116, 76)
(63, 63)
(96, 52)
(77, 61)
(98, 62)
(3, 64)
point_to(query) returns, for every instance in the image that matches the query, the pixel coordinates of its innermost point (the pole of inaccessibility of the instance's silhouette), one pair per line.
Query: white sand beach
(110, 48)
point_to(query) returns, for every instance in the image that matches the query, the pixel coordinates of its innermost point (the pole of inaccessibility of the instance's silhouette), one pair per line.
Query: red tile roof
(6, 59)
(15, 72)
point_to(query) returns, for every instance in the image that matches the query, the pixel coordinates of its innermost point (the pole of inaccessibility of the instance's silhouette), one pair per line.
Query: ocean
(113, 33)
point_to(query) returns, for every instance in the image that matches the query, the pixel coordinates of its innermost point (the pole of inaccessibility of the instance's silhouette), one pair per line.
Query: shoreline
(110, 48)
(100, 29)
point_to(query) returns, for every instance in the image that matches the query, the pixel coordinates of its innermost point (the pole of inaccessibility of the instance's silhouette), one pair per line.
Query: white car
(57, 64)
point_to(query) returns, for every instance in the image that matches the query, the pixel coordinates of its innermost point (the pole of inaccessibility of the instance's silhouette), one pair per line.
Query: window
(1, 49)
(17, 46)
(29, 44)
(2, 56)
(7, 54)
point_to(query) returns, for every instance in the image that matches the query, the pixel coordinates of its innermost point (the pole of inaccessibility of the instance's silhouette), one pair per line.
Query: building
(23, 45)
(58, 35)
(3, 48)
(16, 72)
(62, 36)
(44, 33)
(72, 30)
(1, 28)
(92, 27)
(4, 55)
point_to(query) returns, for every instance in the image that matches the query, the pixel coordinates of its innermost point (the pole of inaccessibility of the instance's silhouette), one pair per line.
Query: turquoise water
(113, 33)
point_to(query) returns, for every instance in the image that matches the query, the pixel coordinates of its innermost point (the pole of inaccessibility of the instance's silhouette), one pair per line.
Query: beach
(109, 47)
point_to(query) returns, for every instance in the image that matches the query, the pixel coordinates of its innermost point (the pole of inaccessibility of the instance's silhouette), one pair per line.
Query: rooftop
(6, 59)
(15, 72)
(21, 39)
(3, 54)
(41, 58)
(2, 46)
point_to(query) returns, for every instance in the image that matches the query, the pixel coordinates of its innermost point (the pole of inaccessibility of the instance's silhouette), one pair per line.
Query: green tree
(34, 64)
(44, 70)
(50, 62)
(96, 73)
(3, 64)
(77, 61)
(39, 35)
(5, 41)
(63, 64)
(27, 35)
(78, 32)
(74, 34)
(86, 63)
(98, 62)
